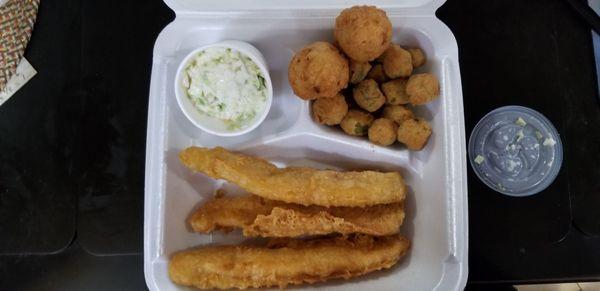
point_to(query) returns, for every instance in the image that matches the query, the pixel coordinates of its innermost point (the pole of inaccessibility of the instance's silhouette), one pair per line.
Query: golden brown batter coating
(356, 122)
(285, 262)
(383, 132)
(269, 218)
(395, 91)
(368, 96)
(414, 133)
(397, 113)
(363, 32)
(330, 111)
(397, 62)
(319, 70)
(422, 88)
(301, 185)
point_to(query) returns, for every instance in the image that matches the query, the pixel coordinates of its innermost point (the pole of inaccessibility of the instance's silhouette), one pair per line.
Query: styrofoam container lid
(229, 6)
(516, 151)
(436, 210)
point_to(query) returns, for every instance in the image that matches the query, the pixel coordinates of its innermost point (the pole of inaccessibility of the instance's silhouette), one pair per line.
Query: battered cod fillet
(285, 262)
(299, 185)
(267, 218)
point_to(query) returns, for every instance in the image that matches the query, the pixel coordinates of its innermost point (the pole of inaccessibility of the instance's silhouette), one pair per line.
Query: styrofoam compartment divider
(436, 221)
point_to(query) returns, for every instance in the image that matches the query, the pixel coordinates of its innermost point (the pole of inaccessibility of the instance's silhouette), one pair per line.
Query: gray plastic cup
(516, 151)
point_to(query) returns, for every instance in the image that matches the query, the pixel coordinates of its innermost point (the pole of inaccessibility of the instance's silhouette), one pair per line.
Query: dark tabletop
(72, 144)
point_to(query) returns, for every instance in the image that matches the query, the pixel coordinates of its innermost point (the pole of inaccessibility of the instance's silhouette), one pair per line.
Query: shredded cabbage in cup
(226, 84)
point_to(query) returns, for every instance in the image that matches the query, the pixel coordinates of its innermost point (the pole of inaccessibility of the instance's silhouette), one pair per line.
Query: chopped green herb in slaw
(226, 84)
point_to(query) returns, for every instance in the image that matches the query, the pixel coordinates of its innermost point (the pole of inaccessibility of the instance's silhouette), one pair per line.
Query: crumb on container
(219, 193)
(549, 142)
(538, 135)
(520, 135)
(479, 159)
(520, 121)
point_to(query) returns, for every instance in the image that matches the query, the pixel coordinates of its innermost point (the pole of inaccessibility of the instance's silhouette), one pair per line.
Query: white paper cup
(214, 125)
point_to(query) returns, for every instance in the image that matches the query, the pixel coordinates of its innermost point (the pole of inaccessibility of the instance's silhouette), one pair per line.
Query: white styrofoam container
(436, 221)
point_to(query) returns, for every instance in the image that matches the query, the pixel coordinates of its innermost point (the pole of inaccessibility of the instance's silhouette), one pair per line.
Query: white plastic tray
(436, 221)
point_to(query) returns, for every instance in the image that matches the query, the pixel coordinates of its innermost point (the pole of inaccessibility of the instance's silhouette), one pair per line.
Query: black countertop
(72, 144)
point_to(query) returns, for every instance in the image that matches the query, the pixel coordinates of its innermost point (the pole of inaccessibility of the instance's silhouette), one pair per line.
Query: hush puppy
(422, 88)
(397, 62)
(418, 58)
(358, 71)
(319, 70)
(330, 111)
(376, 73)
(395, 91)
(397, 113)
(356, 122)
(363, 32)
(383, 132)
(368, 96)
(414, 133)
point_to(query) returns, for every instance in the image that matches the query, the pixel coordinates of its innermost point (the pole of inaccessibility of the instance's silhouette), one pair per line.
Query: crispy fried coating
(358, 71)
(330, 111)
(356, 122)
(368, 96)
(397, 113)
(319, 70)
(397, 62)
(228, 213)
(418, 57)
(383, 132)
(422, 88)
(301, 185)
(376, 73)
(363, 32)
(285, 262)
(414, 133)
(395, 91)
(268, 218)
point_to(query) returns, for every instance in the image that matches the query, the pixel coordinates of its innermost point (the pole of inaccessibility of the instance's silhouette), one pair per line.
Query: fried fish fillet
(301, 185)
(285, 262)
(268, 218)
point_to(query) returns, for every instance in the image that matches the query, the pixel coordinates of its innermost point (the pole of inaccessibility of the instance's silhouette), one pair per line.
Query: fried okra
(356, 122)
(395, 91)
(330, 111)
(358, 71)
(368, 96)
(376, 73)
(418, 57)
(397, 113)
(397, 62)
(422, 88)
(383, 132)
(414, 133)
